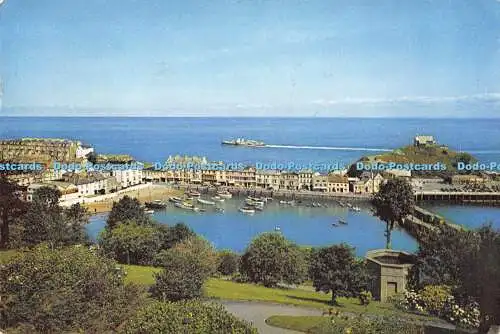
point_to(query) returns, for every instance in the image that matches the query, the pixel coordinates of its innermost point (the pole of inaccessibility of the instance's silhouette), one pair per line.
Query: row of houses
(84, 184)
(335, 182)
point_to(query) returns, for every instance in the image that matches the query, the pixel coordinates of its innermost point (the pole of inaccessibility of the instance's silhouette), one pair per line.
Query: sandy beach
(150, 193)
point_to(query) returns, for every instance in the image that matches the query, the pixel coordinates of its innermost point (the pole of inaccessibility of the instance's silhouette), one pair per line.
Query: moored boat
(217, 199)
(204, 201)
(356, 209)
(175, 199)
(247, 210)
(194, 193)
(257, 199)
(224, 194)
(253, 202)
(219, 209)
(277, 228)
(343, 222)
(186, 206)
(149, 212)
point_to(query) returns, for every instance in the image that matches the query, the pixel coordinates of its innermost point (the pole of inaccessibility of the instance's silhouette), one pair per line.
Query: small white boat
(256, 199)
(194, 193)
(277, 228)
(186, 206)
(258, 207)
(247, 210)
(175, 200)
(287, 202)
(355, 209)
(224, 194)
(217, 199)
(253, 202)
(149, 212)
(218, 209)
(204, 201)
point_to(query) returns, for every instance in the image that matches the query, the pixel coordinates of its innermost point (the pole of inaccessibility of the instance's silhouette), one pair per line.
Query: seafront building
(250, 177)
(43, 150)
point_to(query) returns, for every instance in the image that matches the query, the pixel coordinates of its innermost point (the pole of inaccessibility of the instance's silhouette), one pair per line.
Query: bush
(64, 290)
(429, 301)
(434, 298)
(228, 262)
(186, 267)
(191, 316)
(271, 259)
(365, 297)
(131, 243)
(240, 278)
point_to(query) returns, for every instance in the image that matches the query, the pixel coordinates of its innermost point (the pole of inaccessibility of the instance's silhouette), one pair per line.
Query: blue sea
(294, 140)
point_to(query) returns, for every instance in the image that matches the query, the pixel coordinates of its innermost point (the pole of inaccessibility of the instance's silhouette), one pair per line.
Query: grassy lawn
(141, 275)
(6, 255)
(306, 324)
(222, 289)
(319, 325)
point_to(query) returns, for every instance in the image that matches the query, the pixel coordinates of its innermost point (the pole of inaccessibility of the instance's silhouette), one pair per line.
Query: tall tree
(469, 262)
(336, 269)
(11, 207)
(126, 209)
(131, 243)
(393, 202)
(46, 221)
(271, 259)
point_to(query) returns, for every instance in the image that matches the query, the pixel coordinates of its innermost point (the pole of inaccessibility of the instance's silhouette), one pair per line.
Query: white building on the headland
(82, 150)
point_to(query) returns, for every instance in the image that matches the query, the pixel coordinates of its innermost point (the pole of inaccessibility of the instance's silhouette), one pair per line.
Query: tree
(336, 269)
(271, 259)
(76, 218)
(186, 267)
(191, 316)
(127, 209)
(47, 197)
(228, 262)
(11, 207)
(469, 262)
(463, 157)
(174, 234)
(131, 243)
(46, 221)
(65, 290)
(394, 202)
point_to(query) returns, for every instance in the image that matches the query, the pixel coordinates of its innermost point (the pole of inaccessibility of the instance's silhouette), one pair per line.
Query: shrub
(365, 297)
(186, 267)
(64, 290)
(434, 297)
(429, 301)
(271, 259)
(191, 316)
(228, 262)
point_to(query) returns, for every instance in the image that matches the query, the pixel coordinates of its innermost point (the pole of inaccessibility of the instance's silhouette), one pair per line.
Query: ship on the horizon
(244, 142)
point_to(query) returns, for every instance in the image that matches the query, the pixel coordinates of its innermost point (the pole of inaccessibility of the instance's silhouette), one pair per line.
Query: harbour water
(309, 226)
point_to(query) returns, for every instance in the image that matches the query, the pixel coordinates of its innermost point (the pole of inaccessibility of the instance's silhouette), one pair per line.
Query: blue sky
(358, 58)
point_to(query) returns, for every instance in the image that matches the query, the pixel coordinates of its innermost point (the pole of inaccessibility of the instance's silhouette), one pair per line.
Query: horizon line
(256, 117)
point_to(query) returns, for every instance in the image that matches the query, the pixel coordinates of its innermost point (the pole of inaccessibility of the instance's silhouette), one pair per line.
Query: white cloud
(486, 97)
